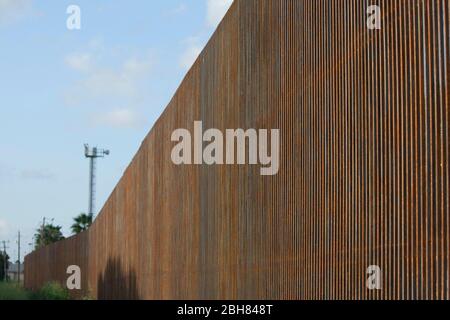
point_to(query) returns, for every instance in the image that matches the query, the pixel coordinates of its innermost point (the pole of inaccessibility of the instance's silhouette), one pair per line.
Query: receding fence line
(359, 205)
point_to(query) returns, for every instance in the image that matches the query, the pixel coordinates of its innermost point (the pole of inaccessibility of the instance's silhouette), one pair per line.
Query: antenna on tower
(92, 154)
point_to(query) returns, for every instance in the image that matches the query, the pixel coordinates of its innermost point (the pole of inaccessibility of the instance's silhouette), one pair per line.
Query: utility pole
(42, 233)
(18, 258)
(92, 155)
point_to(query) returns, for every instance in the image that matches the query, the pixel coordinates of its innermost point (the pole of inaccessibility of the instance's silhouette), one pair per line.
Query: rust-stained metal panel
(363, 179)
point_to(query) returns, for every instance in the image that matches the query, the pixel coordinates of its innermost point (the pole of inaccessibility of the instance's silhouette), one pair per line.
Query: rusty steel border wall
(364, 172)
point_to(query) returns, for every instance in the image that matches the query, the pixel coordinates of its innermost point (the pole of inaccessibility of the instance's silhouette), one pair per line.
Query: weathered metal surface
(364, 176)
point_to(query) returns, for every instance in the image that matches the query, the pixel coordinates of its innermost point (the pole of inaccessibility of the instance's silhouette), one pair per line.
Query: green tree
(3, 264)
(82, 223)
(47, 235)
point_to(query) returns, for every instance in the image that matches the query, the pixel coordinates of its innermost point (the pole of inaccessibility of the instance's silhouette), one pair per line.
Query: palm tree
(82, 223)
(48, 234)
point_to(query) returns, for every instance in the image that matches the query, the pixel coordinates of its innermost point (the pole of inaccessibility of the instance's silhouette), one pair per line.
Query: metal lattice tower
(92, 155)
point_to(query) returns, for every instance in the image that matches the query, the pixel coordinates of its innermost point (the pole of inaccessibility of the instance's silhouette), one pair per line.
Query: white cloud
(110, 83)
(216, 10)
(34, 174)
(3, 228)
(189, 56)
(119, 118)
(180, 9)
(79, 61)
(11, 10)
(104, 90)
(136, 68)
(106, 82)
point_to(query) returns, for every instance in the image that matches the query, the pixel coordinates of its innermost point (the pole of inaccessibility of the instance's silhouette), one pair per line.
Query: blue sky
(105, 84)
